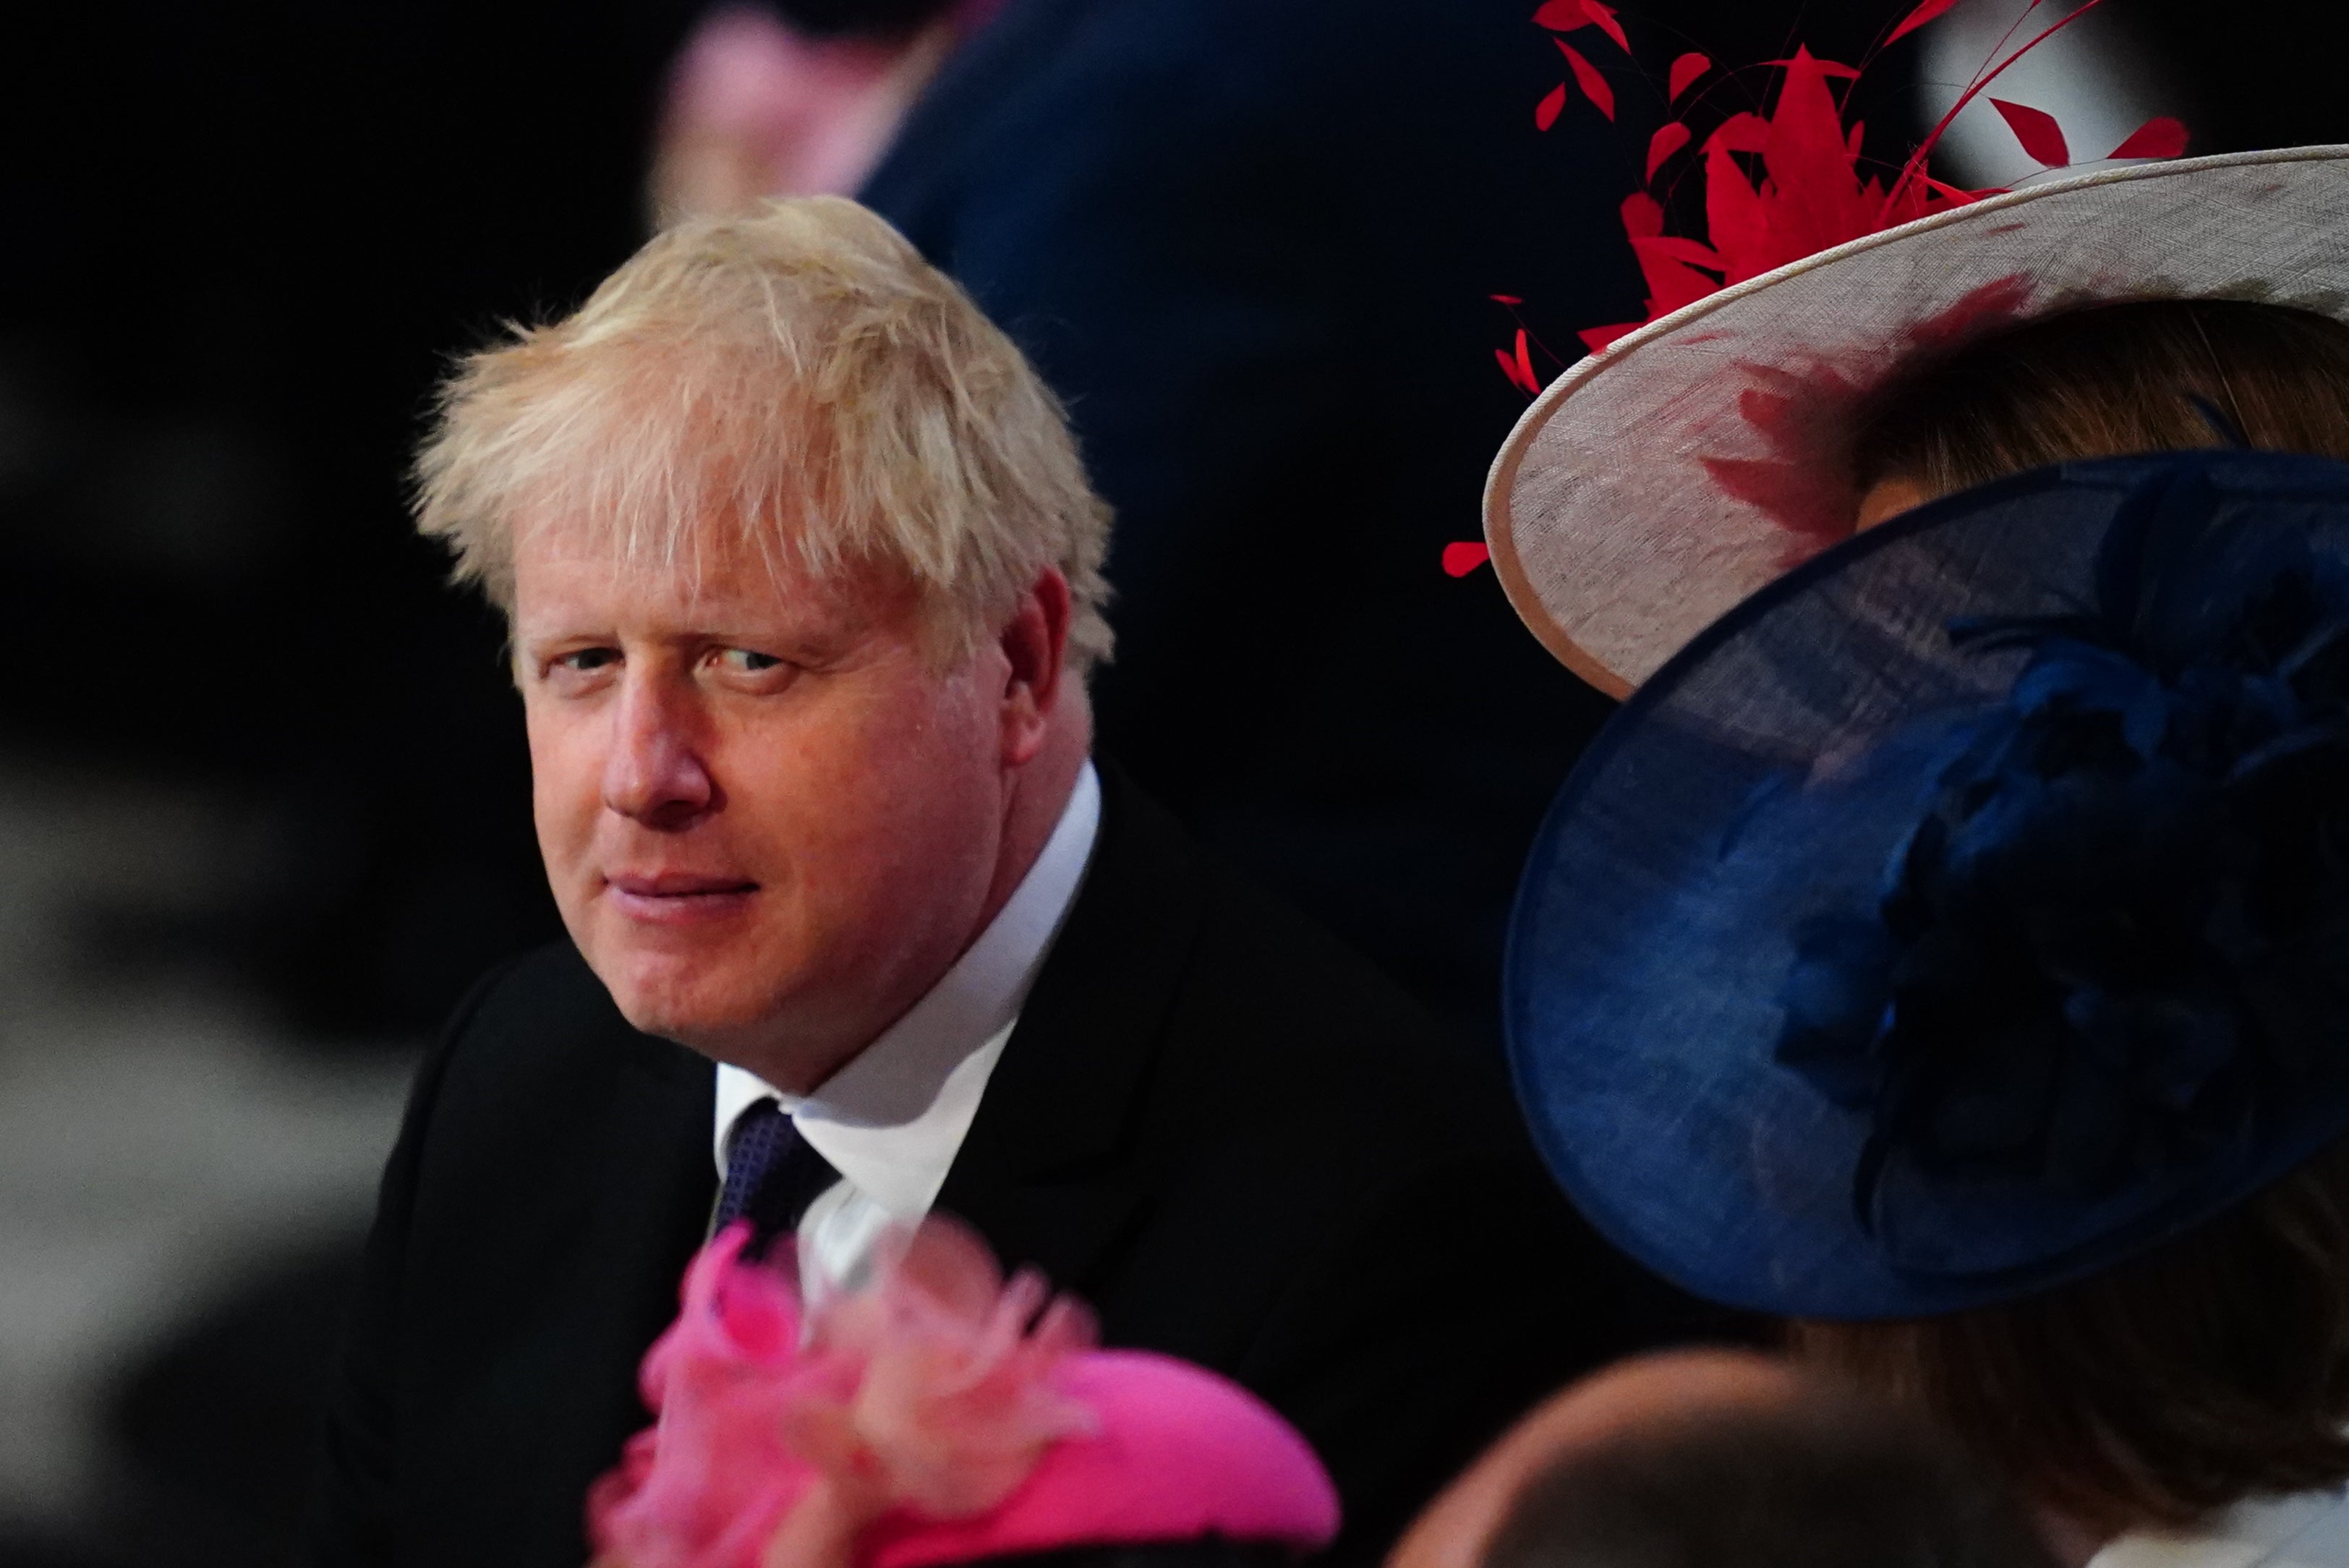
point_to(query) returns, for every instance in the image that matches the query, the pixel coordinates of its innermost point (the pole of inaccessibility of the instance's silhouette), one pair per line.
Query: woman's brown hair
(2212, 1368)
(2216, 1367)
(2154, 375)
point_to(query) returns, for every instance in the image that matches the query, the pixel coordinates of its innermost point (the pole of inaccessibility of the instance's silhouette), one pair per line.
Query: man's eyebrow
(790, 630)
(523, 635)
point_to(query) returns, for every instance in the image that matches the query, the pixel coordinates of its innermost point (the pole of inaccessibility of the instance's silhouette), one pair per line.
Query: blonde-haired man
(803, 575)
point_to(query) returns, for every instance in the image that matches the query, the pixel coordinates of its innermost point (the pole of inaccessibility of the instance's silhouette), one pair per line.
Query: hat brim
(1706, 453)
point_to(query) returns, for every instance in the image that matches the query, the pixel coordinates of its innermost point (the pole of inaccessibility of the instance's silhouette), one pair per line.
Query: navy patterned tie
(773, 1174)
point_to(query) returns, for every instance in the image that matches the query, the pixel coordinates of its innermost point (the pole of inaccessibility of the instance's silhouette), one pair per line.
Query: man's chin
(694, 1005)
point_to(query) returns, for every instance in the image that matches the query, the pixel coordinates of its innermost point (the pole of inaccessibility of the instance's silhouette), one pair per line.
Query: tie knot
(773, 1174)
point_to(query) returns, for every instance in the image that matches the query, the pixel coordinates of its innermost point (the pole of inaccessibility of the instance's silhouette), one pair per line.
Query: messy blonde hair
(794, 382)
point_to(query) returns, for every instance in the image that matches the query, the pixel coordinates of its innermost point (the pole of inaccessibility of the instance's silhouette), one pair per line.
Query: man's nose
(655, 773)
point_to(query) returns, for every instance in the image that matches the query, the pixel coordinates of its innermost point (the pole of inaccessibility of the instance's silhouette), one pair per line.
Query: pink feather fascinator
(940, 1415)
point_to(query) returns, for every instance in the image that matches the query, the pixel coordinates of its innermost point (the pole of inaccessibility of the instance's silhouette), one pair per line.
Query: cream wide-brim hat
(1657, 483)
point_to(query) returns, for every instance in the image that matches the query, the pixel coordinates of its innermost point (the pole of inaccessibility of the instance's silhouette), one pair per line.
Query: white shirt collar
(892, 1120)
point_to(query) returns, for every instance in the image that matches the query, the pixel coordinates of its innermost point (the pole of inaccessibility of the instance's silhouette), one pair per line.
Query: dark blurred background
(263, 806)
(263, 796)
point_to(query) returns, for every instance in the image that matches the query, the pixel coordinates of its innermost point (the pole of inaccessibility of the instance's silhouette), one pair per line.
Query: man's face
(769, 819)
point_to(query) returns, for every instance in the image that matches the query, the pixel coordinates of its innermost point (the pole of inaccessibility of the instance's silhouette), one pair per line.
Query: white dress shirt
(2308, 1529)
(892, 1120)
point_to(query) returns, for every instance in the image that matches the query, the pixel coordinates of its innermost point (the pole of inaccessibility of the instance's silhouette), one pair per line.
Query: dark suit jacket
(1251, 244)
(1220, 1127)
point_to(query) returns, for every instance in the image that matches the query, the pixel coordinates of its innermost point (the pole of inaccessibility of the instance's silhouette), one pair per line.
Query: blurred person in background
(804, 580)
(801, 100)
(1715, 1458)
(1252, 248)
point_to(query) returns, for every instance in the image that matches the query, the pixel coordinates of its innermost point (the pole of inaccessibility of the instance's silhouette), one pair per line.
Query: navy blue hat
(1968, 909)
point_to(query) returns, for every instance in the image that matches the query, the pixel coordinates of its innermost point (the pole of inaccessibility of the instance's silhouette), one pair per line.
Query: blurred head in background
(1719, 1459)
(803, 578)
(794, 99)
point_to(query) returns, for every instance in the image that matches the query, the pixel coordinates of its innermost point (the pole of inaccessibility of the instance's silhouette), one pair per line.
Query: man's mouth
(677, 898)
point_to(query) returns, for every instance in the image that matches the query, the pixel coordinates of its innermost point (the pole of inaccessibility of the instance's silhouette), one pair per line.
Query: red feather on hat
(1785, 185)
(1808, 192)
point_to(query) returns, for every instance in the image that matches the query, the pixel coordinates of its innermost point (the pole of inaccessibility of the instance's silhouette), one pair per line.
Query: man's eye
(589, 659)
(744, 661)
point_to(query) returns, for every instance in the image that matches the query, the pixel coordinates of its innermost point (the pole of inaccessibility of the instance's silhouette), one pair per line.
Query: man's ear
(1035, 643)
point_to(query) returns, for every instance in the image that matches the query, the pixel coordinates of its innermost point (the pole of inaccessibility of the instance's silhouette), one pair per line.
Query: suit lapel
(1039, 1172)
